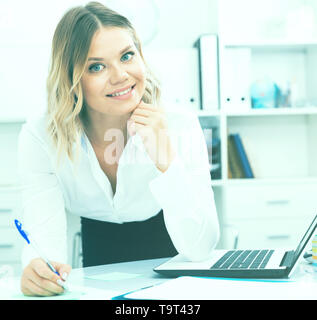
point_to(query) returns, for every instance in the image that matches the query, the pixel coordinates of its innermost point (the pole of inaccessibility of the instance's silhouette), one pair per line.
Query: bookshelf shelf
(273, 112)
(310, 110)
(209, 113)
(217, 182)
(272, 44)
(4, 120)
(263, 181)
(270, 181)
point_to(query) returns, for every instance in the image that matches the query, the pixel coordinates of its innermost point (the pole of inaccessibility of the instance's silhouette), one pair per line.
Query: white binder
(209, 71)
(236, 79)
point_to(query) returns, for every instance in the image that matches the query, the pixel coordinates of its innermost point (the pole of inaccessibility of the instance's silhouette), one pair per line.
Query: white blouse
(183, 191)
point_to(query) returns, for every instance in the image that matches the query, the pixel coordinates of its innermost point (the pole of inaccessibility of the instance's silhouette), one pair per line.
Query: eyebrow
(101, 59)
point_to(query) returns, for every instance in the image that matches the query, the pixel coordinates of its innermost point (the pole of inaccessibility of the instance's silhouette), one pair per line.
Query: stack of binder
(239, 166)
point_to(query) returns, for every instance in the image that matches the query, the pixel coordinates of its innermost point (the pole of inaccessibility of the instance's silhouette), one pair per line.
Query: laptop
(239, 263)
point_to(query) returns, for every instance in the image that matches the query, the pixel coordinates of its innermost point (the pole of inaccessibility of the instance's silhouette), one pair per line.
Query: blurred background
(247, 68)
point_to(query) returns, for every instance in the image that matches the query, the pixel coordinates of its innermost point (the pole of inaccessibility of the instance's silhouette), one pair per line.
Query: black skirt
(105, 242)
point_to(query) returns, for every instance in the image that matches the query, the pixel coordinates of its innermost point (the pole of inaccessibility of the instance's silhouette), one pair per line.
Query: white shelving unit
(10, 242)
(272, 209)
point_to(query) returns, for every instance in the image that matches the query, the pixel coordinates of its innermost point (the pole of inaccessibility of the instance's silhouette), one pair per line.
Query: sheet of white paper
(95, 294)
(192, 288)
(113, 276)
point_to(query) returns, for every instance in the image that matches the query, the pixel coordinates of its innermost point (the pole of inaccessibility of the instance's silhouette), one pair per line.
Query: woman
(106, 149)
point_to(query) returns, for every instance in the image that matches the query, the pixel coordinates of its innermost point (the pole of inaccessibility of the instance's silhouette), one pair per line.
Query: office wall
(267, 20)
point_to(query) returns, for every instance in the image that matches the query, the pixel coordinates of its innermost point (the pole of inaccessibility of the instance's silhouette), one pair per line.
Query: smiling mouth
(121, 93)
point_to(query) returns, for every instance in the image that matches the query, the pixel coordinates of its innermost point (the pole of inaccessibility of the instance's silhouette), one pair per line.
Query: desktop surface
(112, 280)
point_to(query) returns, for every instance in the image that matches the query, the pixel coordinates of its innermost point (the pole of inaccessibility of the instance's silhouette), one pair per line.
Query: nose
(118, 75)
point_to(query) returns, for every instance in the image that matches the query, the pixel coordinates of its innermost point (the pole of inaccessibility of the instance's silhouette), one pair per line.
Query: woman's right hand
(39, 280)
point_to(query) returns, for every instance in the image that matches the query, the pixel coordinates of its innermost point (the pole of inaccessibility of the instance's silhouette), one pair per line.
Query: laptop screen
(305, 239)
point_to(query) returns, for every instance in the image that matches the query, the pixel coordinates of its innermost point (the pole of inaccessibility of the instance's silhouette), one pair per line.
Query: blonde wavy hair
(70, 46)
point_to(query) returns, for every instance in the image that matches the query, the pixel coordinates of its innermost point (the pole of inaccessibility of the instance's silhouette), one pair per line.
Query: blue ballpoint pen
(27, 238)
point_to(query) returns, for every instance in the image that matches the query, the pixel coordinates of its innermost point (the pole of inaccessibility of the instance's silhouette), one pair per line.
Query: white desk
(136, 275)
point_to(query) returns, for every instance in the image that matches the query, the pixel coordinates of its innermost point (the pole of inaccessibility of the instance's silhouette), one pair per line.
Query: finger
(139, 126)
(143, 112)
(140, 119)
(63, 269)
(141, 129)
(48, 285)
(146, 106)
(43, 271)
(26, 291)
(32, 289)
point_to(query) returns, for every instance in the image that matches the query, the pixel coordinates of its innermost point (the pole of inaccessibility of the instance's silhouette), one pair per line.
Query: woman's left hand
(150, 123)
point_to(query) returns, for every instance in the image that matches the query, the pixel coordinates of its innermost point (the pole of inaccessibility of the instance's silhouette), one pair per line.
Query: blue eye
(96, 67)
(127, 56)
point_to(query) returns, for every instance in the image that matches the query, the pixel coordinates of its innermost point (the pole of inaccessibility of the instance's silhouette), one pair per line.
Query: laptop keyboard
(244, 259)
